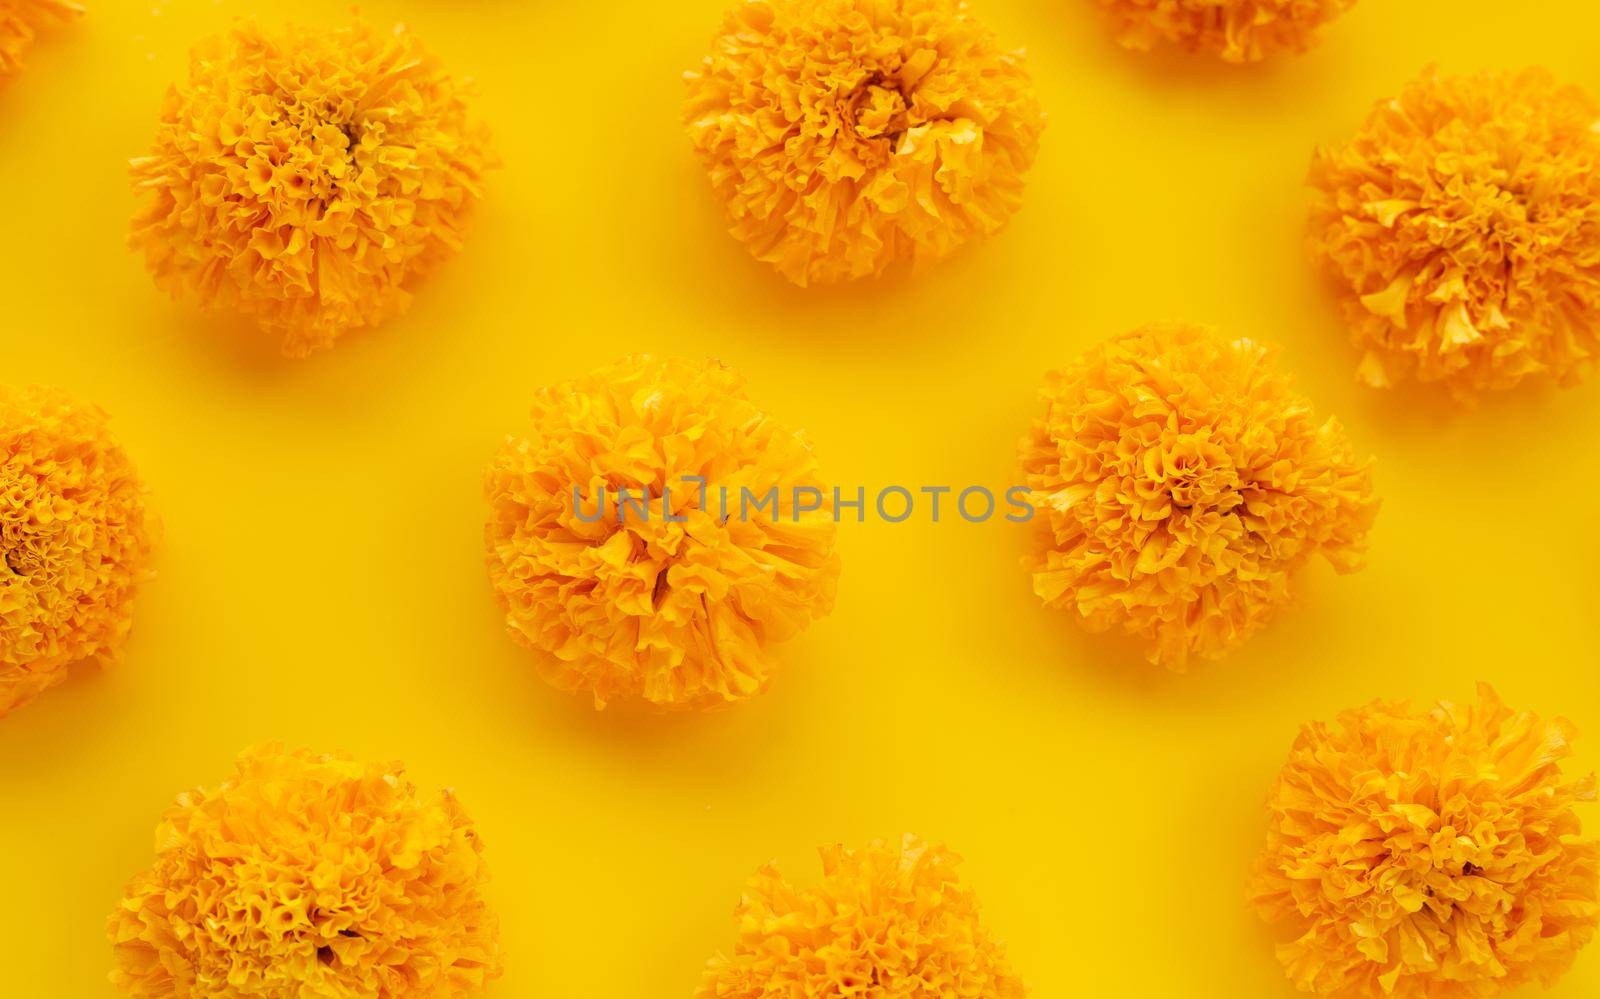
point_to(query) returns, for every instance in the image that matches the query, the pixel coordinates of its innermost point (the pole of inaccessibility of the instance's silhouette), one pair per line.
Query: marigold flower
(1429, 855)
(843, 136)
(1236, 30)
(317, 877)
(1462, 226)
(1180, 483)
(621, 601)
(308, 179)
(885, 921)
(20, 21)
(74, 541)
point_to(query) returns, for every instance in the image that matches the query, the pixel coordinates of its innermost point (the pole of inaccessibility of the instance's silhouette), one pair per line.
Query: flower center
(877, 108)
(1192, 471)
(21, 561)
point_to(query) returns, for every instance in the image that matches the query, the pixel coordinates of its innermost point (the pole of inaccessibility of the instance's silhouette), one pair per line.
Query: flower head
(1462, 227)
(310, 876)
(20, 21)
(625, 602)
(843, 136)
(308, 179)
(74, 541)
(1236, 30)
(1180, 483)
(885, 921)
(1429, 855)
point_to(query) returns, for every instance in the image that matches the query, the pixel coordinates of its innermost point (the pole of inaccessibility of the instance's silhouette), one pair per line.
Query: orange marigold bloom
(885, 921)
(1236, 30)
(1462, 226)
(311, 876)
(1180, 483)
(74, 541)
(621, 601)
(20, 21)
(308, 179)
(1429, 855)
(843, 136)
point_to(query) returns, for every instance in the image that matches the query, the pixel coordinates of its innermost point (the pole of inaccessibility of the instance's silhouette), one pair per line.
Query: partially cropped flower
(307, 876)
(309, 179)
(1462, 227)
(1429, 855)
(1236, 30)
(74, 541)
(889, 921)
(20, 21)
(623, 602)
(1180, 483)
(843, 136)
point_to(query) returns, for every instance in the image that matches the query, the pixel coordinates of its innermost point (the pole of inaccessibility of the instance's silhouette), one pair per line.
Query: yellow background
(321, 577)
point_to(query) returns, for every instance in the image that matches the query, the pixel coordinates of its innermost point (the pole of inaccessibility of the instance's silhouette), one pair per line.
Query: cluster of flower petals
(20, 22)
(1461, 227)
(673, 600)
(74, 540)
(312, 876)
(890, 920)
(844, 136)
(308, 179)
(1235, 30)
(1180, 483)
(1432, 854)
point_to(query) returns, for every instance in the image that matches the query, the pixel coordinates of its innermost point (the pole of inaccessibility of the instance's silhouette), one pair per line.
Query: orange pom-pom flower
(1236, 30)
(1461, 225)
(842, 136)
(885, 921)
(308, 179)
(312, 876)
(20, 21)
(623, 602)
(1179, 484)
(1429, 854)
(74, 541)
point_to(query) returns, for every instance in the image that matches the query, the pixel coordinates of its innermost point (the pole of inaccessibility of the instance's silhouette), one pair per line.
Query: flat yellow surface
(321, 577)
